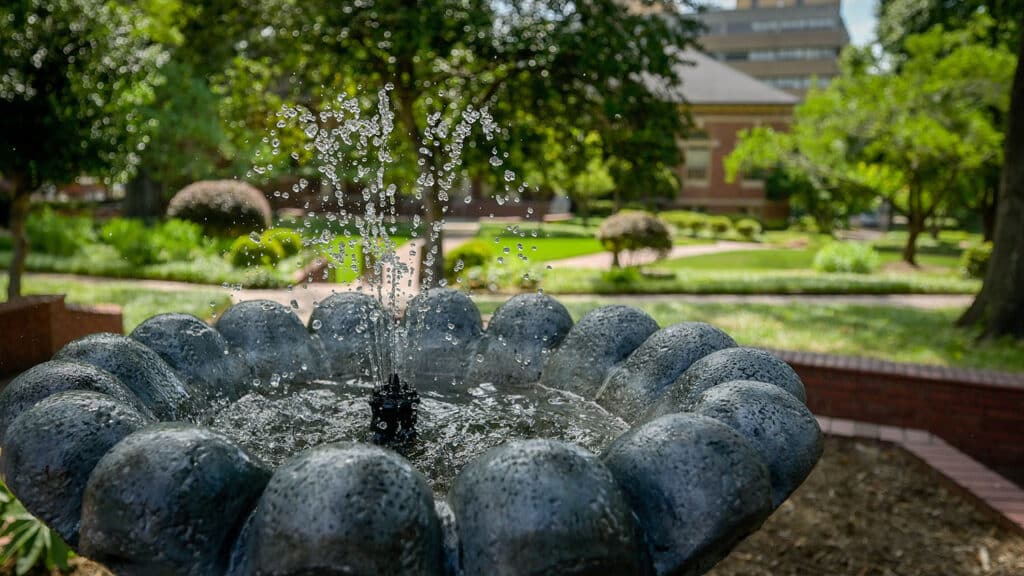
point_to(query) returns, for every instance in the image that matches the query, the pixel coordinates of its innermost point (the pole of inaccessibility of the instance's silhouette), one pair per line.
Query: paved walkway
(603, 260)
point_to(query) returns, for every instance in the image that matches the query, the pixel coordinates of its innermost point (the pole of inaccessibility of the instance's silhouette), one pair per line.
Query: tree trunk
(615, 259)
(999, 306)
(914, 228)
(143, 198)
(988, 213)
(19, 213)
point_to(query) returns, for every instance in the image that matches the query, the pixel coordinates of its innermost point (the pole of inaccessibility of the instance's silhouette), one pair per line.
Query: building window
(698, 163)
(799, 24)
(795, 82)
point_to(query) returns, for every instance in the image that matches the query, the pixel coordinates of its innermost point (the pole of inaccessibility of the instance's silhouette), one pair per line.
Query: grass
(884, 332)
(768, 259)
(577, 281)
(136, 303)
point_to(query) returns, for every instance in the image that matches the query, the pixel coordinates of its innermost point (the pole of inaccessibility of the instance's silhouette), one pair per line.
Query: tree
(578, 63)
(73, 74)
(999, 307)
(912, 136)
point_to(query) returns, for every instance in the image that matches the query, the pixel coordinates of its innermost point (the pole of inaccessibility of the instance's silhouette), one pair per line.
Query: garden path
(603, 260)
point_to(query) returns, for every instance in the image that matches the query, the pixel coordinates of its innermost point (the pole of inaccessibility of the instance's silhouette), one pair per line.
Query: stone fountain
(608, 446)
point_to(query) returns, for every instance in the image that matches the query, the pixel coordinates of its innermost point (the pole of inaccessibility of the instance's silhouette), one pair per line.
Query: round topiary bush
(748, 228)
(631, 231)
(222, 207)
(468, 255)
(289, 240)
(720, 225)
(248, 251)
(849, 257)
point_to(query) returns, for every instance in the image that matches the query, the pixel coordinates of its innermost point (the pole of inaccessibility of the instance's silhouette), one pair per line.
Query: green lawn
(576, 281)
(546, 249)
(768, 259)
(884, 332)
(137, 303)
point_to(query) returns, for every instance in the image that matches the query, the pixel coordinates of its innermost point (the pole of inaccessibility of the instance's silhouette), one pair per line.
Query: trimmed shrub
(720, 225)
(631, 231)
(684, 221)
(974, 260)
(178, 239)
(849, 257)
(289, 240)
(807, 223)
(51, 233)
(470, 254)
(748, 228)
(251, 251)
(222, 207)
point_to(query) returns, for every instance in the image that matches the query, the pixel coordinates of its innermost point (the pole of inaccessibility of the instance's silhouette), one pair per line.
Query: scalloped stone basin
(606, 447)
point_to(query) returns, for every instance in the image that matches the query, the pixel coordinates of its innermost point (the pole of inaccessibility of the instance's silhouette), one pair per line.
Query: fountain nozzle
(394, 407)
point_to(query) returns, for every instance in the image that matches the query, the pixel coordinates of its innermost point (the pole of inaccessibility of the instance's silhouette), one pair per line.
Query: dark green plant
(849, 257)
(748, 228)
(222, 207)
(719, 225)
(26, 540)
(289, 240)
(51, 233)
(621, 277)
(132, 240)
(631, 231)
(249, 251)
(974, 260)
(468, 255)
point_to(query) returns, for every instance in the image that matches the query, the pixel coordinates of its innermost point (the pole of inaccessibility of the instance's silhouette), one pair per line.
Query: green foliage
(622, 277)
(289, 240)
(51, 233)
(684, 221)
(139, 245)
(846, 257)
(719, 225)
(974, 260)
(470, 254)
(748, 228)
(222, 207)
(807, 223)
(631, 231)
(26, 540)
(248, 251)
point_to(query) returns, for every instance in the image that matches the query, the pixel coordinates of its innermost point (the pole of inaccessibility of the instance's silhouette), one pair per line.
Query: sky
(859, 16)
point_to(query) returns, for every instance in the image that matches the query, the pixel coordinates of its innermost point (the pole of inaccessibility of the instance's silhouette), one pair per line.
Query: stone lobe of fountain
(608, 446)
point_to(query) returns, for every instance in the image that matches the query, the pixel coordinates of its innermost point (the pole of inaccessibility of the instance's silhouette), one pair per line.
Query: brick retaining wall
(979, 411)
(33, 328)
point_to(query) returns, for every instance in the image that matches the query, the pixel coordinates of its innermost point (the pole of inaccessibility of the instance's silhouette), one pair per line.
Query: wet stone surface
(441, 329)
(48, 378)
(198, 354)
(273, 342)
(634, 385)
(738, 363)
(544, 507)
(519, 337)
(344, 509)
(696, 486)
(777, 425)
(602, 338)
(51, 449)
(141, 370)
(168, 500)
(348, 325)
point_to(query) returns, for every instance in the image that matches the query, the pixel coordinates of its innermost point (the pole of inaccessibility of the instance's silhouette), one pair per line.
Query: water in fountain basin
(275, 423)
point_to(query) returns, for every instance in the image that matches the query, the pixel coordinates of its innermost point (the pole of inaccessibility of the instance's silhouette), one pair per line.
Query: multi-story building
(788, 44)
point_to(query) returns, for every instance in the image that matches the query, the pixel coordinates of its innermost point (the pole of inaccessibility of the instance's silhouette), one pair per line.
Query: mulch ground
(870, 509)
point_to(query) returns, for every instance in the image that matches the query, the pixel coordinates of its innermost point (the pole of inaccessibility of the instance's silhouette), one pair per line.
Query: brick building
(722, 102)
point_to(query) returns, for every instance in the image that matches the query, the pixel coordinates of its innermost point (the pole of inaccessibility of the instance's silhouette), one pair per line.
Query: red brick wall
(32, 329)
(980, 412)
